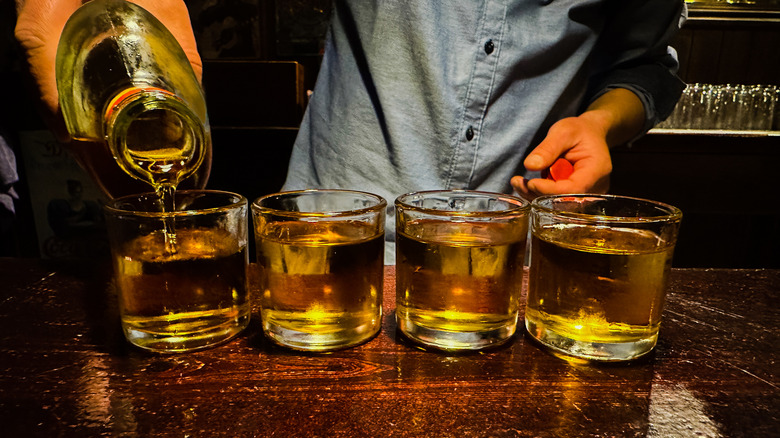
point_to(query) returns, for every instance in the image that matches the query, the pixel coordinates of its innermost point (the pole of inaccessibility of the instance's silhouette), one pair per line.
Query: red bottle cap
(561, 169)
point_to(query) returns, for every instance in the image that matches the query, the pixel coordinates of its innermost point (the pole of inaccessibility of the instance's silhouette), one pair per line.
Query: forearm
(618, 114)
(633, 53)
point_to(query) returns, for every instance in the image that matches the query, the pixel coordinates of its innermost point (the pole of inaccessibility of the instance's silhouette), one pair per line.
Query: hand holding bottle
(38, 30)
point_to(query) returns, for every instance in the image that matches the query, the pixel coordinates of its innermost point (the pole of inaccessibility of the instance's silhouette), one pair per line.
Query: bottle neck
(128, 96)
(154, 135)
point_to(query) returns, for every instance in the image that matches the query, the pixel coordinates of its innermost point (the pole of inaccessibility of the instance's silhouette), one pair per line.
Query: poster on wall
(67, 205)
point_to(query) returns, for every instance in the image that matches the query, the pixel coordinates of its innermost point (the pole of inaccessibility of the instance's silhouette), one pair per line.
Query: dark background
(261, 57)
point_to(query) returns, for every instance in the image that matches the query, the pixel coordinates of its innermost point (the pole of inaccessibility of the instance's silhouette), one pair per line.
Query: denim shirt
(432, 94)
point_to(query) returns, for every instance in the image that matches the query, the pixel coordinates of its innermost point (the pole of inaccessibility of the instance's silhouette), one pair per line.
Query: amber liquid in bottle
(154, 139)
(124, 81)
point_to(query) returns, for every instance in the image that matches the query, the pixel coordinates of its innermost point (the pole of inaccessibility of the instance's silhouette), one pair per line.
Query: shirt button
(469, 133)
(489, 47)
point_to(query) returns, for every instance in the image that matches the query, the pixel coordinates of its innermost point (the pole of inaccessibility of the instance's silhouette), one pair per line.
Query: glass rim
(674, 213)
(381, 204)
(518, 204)
(237, 200)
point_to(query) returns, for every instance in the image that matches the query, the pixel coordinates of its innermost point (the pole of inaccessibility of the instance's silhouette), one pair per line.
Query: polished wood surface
(65, 370)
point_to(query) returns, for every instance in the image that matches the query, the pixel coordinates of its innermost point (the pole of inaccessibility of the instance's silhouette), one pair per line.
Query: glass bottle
(123, 80)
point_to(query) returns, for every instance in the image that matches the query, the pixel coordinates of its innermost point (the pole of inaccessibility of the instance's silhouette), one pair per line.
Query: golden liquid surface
(181, 295)
(322, 279)
(597, 284)
(459, 277)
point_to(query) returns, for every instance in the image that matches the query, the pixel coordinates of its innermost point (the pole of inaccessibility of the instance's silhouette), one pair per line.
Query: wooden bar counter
(66, 370)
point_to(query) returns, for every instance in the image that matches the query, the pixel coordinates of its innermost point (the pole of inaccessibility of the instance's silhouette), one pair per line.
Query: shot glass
(728, 117)
(181, 274)
(745, 111)
(684, 109)
(321, 260)
(776, 109)
(700, 96)
(459, 267)
(765, 103)
(598, 274)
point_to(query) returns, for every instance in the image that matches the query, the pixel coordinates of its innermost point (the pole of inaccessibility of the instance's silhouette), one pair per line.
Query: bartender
(482, 95)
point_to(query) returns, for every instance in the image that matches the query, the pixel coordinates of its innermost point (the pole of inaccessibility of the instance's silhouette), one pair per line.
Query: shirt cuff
(658, 92)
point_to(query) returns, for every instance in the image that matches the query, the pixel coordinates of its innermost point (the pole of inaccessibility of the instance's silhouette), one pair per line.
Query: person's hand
(40, 23)
(38, 28)
(614, 118)
(580, 142)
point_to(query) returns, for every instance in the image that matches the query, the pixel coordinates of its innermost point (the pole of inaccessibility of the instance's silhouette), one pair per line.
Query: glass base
(179, 341)
(312, 341)
(592, 351)
(455, 340)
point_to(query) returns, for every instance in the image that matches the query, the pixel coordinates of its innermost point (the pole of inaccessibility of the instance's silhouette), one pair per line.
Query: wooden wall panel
(729, 52)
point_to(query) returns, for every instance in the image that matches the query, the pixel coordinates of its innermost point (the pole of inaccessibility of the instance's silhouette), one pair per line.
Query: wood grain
(65, 370)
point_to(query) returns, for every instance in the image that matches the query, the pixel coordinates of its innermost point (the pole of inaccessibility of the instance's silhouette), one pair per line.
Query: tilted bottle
(124, 80)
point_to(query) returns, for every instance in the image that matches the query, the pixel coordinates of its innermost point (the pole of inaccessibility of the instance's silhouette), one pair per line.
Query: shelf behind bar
(715, 132)
(708, 10)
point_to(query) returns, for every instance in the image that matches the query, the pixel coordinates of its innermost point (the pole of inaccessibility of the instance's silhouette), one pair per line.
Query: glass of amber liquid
(459, 267)
(598, 274)
(181, 274)
(321, 259)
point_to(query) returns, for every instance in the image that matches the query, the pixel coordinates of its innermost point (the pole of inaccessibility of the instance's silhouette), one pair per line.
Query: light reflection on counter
(99, 405)
(676, 411)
